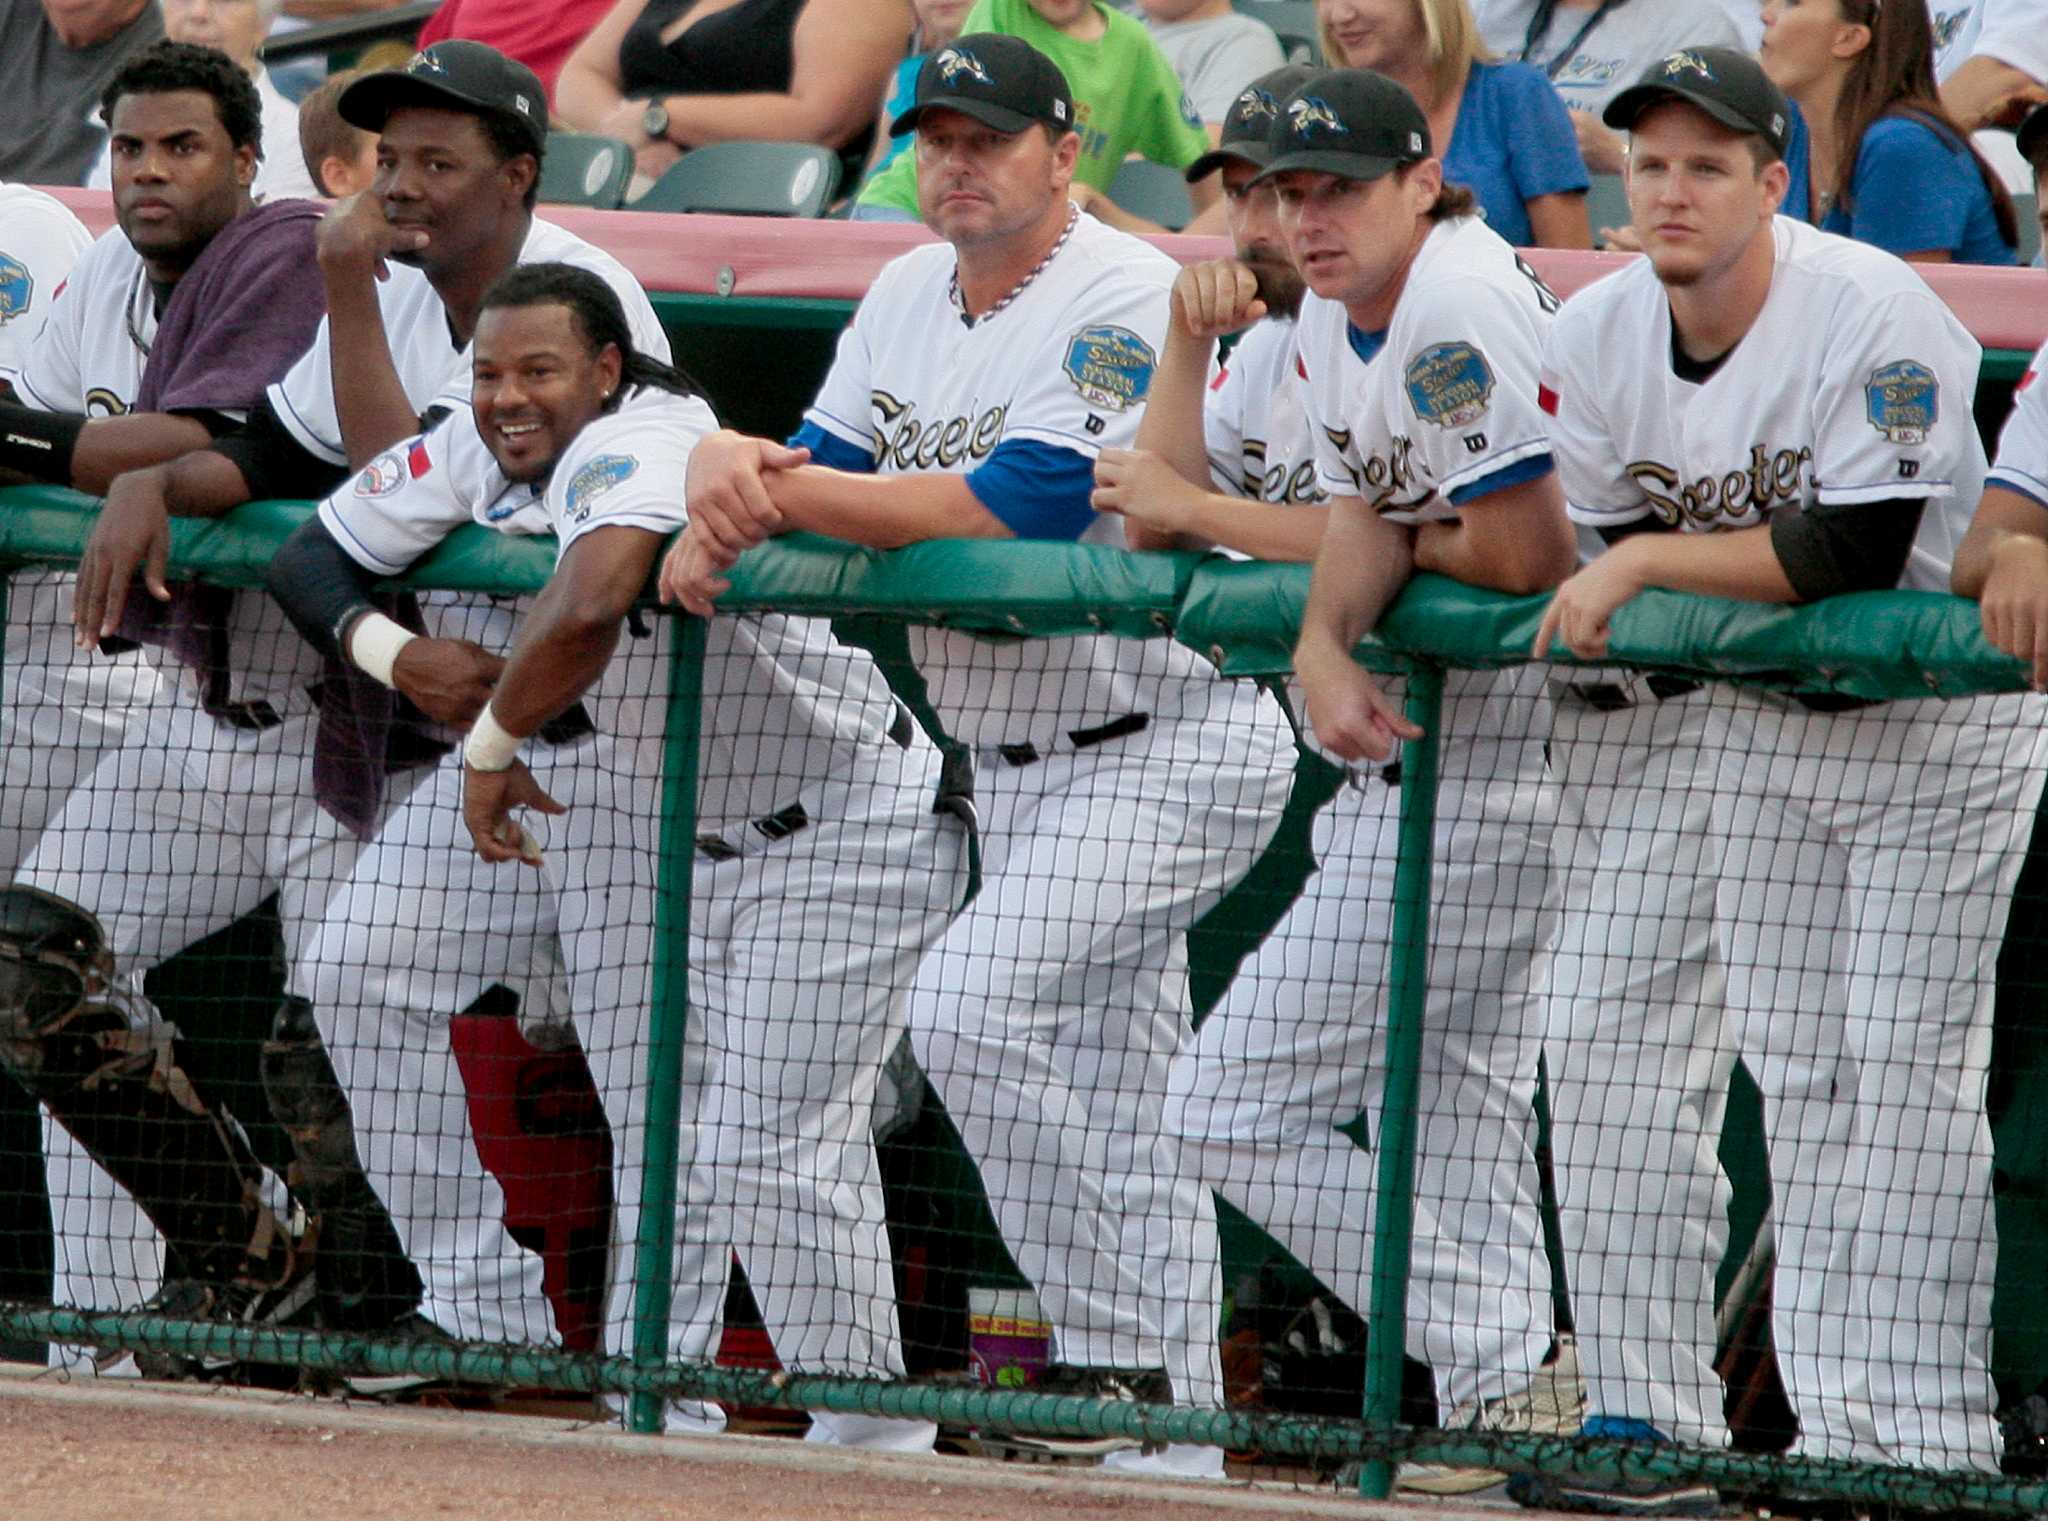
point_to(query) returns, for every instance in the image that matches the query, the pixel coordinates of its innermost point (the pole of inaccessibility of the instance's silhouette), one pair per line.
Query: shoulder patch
(593, 479)
(419, 462)
(1449, 384)
(383, 475)
(17, 287)
(1903, 400)
(1110, 366)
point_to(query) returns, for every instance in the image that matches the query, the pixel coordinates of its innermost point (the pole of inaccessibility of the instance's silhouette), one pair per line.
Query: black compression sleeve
(38, 444)
(319, 587)
(1648, 523)
(1827, 550)
(274, 463)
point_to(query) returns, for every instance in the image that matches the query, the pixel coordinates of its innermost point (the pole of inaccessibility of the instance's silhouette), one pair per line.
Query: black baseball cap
(465, 76)
(1248, 125)
(1729, 86)
(2032, 138)
(1348, 122)
(1002, 82)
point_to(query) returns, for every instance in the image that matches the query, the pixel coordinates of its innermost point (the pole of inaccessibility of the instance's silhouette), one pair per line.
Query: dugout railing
(1241, 617)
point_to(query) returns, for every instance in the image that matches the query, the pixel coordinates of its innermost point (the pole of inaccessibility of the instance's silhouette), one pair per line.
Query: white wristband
(490, 746)
(374, 643)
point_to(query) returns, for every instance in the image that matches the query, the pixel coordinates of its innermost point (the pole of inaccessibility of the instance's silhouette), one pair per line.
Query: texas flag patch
(2025, 381)
(1222, 375)
(417, 463)
(1546, 394)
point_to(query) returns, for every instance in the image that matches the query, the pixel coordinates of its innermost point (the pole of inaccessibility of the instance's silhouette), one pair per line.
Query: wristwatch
(654, 121)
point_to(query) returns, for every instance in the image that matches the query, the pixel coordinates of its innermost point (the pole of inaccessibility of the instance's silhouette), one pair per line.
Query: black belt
(1081, 739)
(1612, 697)
(784, 822)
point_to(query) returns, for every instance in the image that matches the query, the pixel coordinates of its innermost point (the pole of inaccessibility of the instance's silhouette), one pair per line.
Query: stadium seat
(1154, 192)
(1607, 202)
(748, 179)
(2028, 210)
(1294, 21)
(582, 169)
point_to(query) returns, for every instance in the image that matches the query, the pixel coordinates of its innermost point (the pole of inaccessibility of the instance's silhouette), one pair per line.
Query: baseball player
(821, 879)
(1786, 415)
(163, 333)
(43, 241)
(1120, 787)
(1417, 349)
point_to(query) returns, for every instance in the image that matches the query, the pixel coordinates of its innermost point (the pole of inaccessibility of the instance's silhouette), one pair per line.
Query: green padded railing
(1243, 617)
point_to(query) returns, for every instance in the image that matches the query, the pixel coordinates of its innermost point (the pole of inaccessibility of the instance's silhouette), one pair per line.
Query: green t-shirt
(1127, 99)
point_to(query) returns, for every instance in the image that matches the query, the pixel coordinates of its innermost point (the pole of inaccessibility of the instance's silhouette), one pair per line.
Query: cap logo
(522, 105)
(1059, 110)
(1255, 103)
(1307, 113)
(1687, 62)
(425, 63)
(1777, 125)
(1414, 142)
(954, 62)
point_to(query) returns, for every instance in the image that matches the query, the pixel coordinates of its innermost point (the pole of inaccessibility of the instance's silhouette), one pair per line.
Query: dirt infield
(110, 1450)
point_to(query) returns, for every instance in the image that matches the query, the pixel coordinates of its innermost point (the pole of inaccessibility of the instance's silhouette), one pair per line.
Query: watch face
(655, 121)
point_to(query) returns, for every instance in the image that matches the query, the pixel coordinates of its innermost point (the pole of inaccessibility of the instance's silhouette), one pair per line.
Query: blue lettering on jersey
(1449, 384)
(1110, 366)
(17, 287)
(1903, 399)
(593, 479)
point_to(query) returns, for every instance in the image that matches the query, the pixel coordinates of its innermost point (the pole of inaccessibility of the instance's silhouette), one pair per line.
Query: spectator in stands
(1591, 50)
(1873, 155)
(540, 36)
(1127, 102)
(341, 157)
(54, 62)
(938, 23)
(1215, 50)
(237, 28)
(1510, 138)
(664, 77)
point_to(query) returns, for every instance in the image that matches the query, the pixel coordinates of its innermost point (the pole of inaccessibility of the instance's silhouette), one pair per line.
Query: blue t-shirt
(1916, 190)
(1513, 142)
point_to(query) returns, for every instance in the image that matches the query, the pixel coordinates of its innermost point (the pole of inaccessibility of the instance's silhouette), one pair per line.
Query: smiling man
(405, 267)
(1121, 787)
(1762, 411)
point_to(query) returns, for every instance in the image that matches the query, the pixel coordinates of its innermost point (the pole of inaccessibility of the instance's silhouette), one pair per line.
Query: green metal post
(1408, 986)
(654, 1251)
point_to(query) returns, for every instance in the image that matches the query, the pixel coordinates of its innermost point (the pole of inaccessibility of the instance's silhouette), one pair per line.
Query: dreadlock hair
(163, 67)
(1894, 76)
(599, 318)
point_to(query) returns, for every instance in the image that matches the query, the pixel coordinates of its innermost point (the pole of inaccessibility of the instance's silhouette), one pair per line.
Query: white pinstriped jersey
(1853, 386)
(95, 340)
(1255, 419)
(2022, 463)
(431, 367)
(1066, 364)
(783, 703)
(40, 242)
(1447, 403)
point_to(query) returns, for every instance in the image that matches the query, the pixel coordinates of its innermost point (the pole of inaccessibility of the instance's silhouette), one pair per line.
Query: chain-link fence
(1594, 1093)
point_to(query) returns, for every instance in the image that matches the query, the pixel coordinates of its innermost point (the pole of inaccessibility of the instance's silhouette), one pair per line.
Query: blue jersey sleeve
(830, 449)
(1912, 191)
(1514, 473)
(1038, 491)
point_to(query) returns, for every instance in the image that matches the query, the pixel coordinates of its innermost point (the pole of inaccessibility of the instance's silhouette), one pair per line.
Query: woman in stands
(669, 75)
(1499, 127)
(1874, 156)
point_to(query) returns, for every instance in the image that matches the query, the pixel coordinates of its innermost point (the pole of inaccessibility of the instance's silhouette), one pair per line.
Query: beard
(1279, 283)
